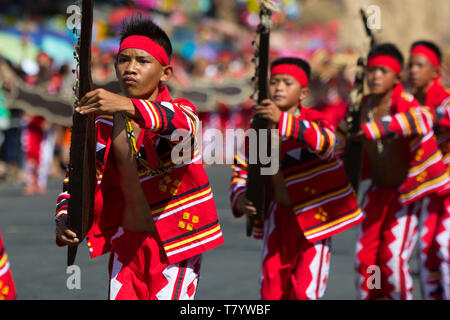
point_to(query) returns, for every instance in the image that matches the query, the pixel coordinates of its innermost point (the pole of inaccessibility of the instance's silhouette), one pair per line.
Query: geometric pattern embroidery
(186, 222)
(168, 185)
(419, 154)
(312, 191)
(4, 290)
(321, 215)
(421, 177)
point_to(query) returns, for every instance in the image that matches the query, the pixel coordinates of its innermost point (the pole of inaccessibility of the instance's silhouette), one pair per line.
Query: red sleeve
(414, 122)
(314, 135)
(163, 117)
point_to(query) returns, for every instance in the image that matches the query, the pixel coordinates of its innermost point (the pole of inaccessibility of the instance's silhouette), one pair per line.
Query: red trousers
(7, 288)
(38, 147)
(139, 270)
(386, 239)
(292, 267)
(434, 238)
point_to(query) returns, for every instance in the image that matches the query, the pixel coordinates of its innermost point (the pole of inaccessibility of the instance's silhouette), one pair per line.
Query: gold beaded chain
(132, 139)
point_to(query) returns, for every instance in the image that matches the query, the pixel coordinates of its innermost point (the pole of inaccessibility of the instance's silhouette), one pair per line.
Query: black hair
(429, 45)
(388, 49)
(302, 64)
(143, 26)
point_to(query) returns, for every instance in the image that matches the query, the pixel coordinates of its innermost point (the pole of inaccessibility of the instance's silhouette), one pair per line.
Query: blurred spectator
(38, 138)
(212, 48)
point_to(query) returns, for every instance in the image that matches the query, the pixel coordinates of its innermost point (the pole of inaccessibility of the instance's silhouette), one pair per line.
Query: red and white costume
(38, 141)
(296, 245)
(388, 232)
(7, 287)
(38, 144)
(434, 235)
(163, 265)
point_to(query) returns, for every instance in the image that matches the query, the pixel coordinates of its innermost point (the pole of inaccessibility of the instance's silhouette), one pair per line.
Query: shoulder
(311, 114)
(406, 101)
(185, 103)
(441, 87)
(408, 97)
(316, 116)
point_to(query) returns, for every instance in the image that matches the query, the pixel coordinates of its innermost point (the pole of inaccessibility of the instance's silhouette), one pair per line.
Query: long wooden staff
(256, 183)
(354, 149)
(82, 177)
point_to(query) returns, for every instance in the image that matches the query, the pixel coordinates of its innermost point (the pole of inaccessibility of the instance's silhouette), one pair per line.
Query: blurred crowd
(211, 46)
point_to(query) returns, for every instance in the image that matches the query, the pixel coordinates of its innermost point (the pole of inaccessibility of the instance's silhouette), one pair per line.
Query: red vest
(180, 198)
(436, 96)
(426, 171)
(322, 198)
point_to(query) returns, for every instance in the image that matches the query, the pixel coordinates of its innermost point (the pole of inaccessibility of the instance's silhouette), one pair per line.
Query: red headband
(385, 61)
(427, 53)
(146, 44)
(293, 71)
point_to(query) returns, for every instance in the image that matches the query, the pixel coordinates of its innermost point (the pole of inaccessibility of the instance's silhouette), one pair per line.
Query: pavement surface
(229, 272)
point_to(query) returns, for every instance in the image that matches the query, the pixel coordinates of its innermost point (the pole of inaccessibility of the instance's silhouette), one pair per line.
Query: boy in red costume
(154, 213)
(310, 199)
(7, 287)
(424, 73)
(404, 165)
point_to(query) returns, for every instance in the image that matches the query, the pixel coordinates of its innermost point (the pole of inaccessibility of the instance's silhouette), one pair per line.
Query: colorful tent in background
(21, 45)
(61, 50)
(16, 49)
(109, 45)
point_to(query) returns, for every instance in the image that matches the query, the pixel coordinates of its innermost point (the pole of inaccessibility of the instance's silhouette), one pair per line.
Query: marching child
(424, 74)
(154, 214)
(311, 198)
(404, 164)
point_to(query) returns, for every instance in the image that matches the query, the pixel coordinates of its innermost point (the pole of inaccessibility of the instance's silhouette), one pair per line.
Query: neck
(383, 99)
(150, 96)
(154, 95)
(420, 93)
(291, 110)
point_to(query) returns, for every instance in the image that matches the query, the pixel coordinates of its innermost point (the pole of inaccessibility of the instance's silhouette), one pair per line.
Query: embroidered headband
(427, 53)
(146, 44)
(385, 61)
(292, 71)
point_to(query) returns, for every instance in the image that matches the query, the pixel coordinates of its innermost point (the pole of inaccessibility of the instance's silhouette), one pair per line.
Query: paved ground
(229, 272)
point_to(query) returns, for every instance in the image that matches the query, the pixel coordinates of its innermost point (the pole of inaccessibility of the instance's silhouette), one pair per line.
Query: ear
(166, 74)
(436, 72)
(304, 93)
(398, 79)
(115, 69)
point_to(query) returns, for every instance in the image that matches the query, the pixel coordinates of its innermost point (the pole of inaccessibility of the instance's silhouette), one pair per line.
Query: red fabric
(385, 61)
(33, 138)
(146, 44)
(401, 101)
(427, 53)
(434, 235)
(436, 93)
(7, 287)
(434, 247)
(429, 179)
(334, 112)
(312, 164)
(293, 268)
(184, 211)
(386, 241)
(139, 270)
(293, 71)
